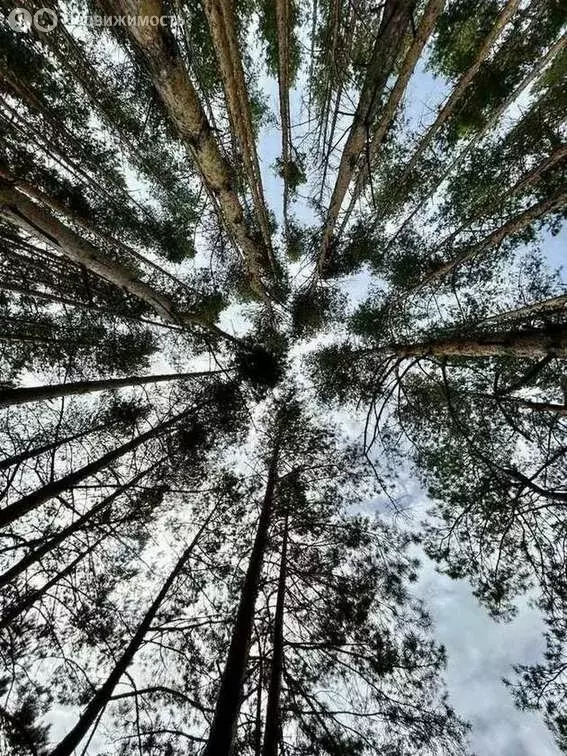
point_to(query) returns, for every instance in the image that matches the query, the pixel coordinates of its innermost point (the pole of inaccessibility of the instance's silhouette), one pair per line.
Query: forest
(267, 269)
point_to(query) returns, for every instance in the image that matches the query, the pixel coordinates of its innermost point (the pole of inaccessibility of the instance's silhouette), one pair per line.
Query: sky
(481, 652)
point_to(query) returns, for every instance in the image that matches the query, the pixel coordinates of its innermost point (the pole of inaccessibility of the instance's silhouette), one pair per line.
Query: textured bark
(551, 306)
(537, 342)
(273, 715)
(423, 32)
(37, 554)
(59, 207)
(395, 21)
(222, 27)
(103, 695)
(28, 503)
(32, 218)
(9, 397)
(223, 726)
(181, 101)
(462, 85)
(36, 220)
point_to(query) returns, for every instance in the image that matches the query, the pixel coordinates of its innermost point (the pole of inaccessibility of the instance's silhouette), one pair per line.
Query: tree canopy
(246, 288)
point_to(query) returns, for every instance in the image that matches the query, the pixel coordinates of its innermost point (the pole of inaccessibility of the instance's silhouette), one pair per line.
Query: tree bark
(10, 397)
(225, 719)
(36, 220)
(180, 99)
(103, 695)
(272, 732)
(513, 226)
(395, 21)
(222, 26)
(551, 306)
(557, 409)
(28, 503)
(423, 32)
(462, 85)
(41, 223)
(551, 340)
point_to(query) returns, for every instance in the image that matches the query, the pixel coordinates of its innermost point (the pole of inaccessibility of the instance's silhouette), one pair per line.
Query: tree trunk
(528, 179)
(101, 698)
(447, 110)
(282, 21)
(221, 21)
(9, 397)
(176, 91)
(551, 340)
(223, 726)
(551, 306)
(17, 459)
(423, 32)
(557, 409)
(272, 733)
(526, 82)
(513, 226)
(37, 554)
(34, 219)
(84, 305)
(395, 21)
(41, 223)
(28, 503)
(29, 598)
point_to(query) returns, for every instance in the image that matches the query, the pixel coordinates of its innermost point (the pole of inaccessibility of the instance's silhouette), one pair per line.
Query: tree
(203, 420)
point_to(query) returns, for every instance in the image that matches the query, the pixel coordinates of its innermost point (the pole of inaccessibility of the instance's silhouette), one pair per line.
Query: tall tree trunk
(37, 554)
(513, 226)
(526, 82)
(462, 85)
(272, 733)
(17, 459)
(529, 179)
(103, 695)
(395, 21)
(551, 340)
(43, 224)
(29, 598)
(282, 21)
(223, 726)
(222, 26)
(38, 221)
(423, 32)
(28, 503)
(181, 101)
(59, 207)
(551, 306)
(41, 295)
(552, 407)
(9, 397)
